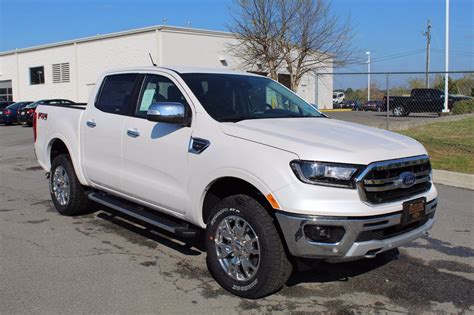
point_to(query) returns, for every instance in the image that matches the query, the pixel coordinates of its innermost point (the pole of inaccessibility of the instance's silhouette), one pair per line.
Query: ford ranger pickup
(240, 160)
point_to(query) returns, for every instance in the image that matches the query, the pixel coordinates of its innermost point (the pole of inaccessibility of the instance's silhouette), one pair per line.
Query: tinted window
(36, 75)
(15, 105)
(158, 89)
(116, 93)
(229, 97)
(35, 104)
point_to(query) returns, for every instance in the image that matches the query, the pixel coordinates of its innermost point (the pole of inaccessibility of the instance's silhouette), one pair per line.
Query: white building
(70, 69)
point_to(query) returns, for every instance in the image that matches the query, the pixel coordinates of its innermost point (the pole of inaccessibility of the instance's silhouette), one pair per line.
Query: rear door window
(116, 94)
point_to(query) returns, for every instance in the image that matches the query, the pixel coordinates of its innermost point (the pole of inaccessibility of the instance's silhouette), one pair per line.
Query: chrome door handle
(133, 133)
(91, 123)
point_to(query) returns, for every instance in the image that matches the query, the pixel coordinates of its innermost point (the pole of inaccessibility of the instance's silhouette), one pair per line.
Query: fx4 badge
(43, 116)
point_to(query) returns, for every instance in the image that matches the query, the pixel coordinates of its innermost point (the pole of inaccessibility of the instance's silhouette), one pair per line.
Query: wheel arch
(57, 145)
(226, 186)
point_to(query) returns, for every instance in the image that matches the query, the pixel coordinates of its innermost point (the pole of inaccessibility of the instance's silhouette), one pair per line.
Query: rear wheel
(68, 195)
(245, 253)
(399, 111)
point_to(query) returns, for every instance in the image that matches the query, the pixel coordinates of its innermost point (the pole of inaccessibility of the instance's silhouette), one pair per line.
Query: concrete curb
(336, 110)
(460, 180)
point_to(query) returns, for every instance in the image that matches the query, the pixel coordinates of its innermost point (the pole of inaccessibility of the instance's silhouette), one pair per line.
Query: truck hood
(328, 140)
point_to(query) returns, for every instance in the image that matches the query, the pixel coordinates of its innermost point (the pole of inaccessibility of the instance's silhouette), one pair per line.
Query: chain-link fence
(386, 99)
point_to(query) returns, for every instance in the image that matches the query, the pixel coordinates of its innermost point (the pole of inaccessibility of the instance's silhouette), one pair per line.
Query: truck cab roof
(180, 69)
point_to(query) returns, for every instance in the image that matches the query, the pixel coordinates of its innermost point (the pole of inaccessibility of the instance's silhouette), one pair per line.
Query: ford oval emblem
(407, 179)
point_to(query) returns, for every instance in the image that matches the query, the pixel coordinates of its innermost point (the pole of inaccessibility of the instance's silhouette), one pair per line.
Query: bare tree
(298, 35)
(255, 25)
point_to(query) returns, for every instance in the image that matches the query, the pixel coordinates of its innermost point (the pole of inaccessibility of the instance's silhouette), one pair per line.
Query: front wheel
(68, 195)
(245, 253)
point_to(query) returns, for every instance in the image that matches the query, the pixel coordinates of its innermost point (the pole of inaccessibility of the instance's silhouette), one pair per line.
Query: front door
(155, 168)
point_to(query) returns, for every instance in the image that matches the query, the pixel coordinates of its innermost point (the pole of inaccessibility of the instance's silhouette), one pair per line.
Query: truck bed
(59, 122)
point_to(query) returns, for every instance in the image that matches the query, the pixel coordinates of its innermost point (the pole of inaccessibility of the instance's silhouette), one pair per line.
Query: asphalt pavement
(101, 263)
(379, 119)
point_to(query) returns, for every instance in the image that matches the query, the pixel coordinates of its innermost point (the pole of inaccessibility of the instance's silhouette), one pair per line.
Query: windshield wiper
(235, 118)
(243, 117)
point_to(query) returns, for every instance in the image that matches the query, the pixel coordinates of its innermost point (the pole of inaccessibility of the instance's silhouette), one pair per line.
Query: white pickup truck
(267, 176)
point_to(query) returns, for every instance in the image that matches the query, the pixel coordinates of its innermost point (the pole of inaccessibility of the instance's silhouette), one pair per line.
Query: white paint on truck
(314, 171)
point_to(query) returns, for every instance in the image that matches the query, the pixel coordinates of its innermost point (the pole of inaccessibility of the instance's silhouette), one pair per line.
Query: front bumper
(24, 119)
(5, 119)
(364, 236)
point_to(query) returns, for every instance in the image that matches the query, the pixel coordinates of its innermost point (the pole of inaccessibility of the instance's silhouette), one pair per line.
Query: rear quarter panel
(59, 123)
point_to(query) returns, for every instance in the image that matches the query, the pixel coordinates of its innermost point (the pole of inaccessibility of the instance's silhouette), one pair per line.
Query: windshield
(232, 97)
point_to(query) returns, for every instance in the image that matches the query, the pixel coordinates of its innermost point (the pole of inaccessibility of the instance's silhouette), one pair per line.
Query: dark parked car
(353, 104)
(4, 104)
(8, 115)
(421, 101)
(376, 106)
(25, 116)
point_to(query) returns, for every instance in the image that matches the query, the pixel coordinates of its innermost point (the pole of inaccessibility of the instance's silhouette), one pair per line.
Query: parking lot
(101, 263)
(379, 119)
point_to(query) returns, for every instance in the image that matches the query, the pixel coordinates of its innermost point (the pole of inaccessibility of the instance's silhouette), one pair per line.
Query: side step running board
(136, 211)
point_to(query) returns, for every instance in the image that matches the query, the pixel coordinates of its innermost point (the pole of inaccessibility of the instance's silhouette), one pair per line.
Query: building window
(37, 75)
(6, 95)
(284, 79)
(61, 72)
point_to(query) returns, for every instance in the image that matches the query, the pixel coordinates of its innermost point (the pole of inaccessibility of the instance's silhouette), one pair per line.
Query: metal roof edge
(165, 28)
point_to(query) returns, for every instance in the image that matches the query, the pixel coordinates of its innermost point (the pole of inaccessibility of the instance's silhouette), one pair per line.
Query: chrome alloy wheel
(60, 186)
(398, 111)
(237, 248)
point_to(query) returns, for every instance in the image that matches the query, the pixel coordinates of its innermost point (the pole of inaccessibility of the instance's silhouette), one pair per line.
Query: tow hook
(47, 174)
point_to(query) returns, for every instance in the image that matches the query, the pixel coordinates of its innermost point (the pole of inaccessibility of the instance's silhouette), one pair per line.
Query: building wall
(45, 58)
(8, 72)
(168, 46)
(95, 57)
(194, 49)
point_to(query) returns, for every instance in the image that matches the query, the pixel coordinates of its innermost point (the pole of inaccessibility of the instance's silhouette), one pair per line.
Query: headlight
(325, 174)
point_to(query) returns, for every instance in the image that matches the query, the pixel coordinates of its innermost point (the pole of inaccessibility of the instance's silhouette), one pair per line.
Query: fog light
(324, 233)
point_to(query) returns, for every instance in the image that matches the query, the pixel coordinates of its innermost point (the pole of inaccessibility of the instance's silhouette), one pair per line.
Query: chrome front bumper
(349, 247)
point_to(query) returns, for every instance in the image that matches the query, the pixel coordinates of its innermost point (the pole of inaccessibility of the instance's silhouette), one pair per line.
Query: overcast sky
(390, 29)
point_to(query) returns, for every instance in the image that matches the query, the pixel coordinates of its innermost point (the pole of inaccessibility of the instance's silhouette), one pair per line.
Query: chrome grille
(381, 181)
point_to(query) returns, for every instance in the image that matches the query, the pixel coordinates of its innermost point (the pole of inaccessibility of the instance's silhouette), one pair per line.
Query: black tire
(77, 202)
(274, 268)
(399, 111)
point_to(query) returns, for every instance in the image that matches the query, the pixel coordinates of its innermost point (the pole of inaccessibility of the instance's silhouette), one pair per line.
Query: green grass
(449, 144)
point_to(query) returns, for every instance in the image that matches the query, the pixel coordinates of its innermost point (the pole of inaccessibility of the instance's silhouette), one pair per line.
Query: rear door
(102, 130)
(155, 168)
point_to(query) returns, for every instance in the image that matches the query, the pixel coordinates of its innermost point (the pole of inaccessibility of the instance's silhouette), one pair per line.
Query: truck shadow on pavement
(192, 247)
(390, 274)
(444, 247)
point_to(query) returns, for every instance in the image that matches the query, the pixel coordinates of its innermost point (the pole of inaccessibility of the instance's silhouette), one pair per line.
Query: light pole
(368, 75)
(446, 61)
